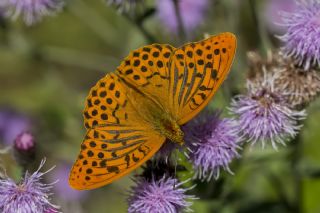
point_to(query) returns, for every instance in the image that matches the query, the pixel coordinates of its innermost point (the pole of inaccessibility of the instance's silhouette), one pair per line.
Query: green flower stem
(296, 154)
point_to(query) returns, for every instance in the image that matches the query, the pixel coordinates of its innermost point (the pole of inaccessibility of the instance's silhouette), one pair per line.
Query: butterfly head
(179, 137)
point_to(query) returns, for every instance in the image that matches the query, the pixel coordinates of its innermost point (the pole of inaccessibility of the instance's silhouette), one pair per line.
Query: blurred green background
(46, 71)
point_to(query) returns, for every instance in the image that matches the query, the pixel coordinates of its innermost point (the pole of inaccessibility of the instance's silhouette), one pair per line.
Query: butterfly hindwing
(117, 139)
(197, 70)
(103, 160)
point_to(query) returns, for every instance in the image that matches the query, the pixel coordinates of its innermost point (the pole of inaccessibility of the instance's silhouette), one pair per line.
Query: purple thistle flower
(191, 11)
(33, 11)
(24, 141)
(165, 195)
(264, 115)
(213, 144)
(24, 149)
(302, 39)
(28, 196)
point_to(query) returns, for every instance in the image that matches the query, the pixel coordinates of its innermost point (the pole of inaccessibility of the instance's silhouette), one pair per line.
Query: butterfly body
(130, 113)
(169, 128)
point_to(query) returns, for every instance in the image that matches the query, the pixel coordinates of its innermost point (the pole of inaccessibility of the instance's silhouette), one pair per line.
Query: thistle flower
(24, 149)
(32, 11)
(264, 115)
(28, 196)
(24, 142)
(213, 144)
(302, 38)
(165, 195)
(298, 87)
(192, 13)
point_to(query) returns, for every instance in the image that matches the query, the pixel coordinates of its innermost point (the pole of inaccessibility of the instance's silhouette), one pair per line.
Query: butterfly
(130, 112)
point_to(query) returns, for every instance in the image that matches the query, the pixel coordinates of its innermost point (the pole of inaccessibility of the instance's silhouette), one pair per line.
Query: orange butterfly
(129, 113)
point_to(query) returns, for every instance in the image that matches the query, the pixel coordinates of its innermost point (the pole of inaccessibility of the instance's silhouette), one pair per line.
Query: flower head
(302, 38)
(24, 149)
(297, 87)
(33, 11)
(28, 196)
(24, 142)
(213, 144)
(165, 195)
(192, 13)
(264, 115)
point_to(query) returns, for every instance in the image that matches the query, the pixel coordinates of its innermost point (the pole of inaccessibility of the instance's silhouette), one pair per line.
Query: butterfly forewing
(146, 69)
(197, 70)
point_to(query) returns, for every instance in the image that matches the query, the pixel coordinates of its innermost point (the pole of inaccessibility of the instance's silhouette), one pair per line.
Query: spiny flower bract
(302, 38)
(212, 143)
(165, 195)
(28, 196)
(298, 88)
